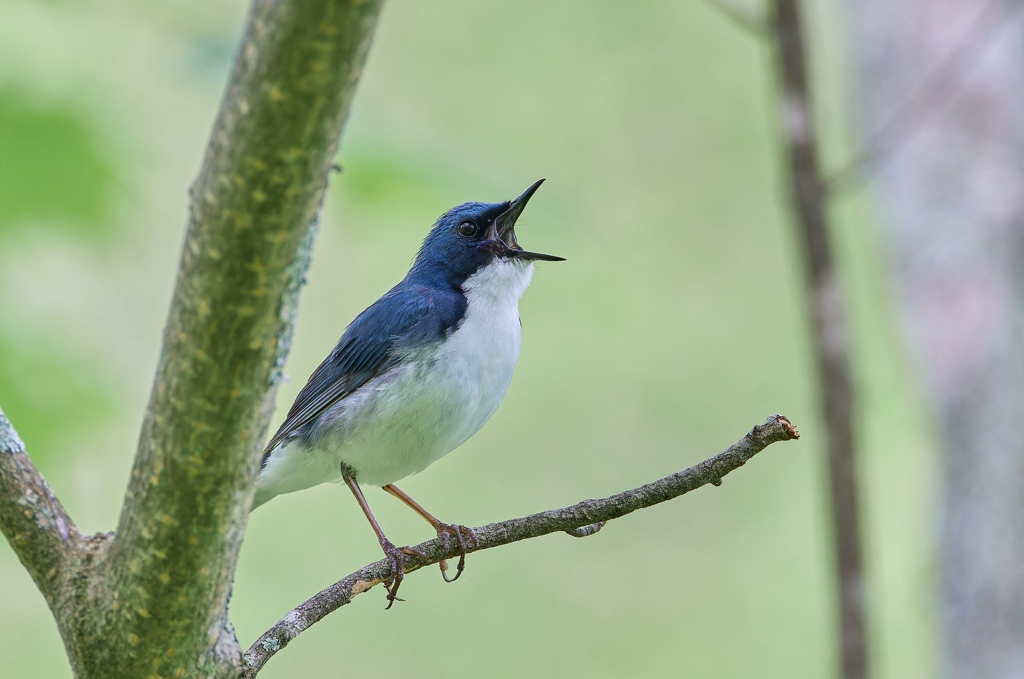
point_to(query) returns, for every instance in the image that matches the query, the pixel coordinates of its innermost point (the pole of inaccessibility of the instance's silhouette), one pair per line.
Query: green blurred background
(677, 323)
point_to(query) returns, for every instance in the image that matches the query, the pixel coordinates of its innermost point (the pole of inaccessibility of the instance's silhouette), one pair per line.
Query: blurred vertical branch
(825, 298)
(953, 207)
(809, 193)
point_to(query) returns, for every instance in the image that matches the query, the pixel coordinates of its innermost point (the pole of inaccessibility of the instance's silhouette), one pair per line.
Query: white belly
(399, 423)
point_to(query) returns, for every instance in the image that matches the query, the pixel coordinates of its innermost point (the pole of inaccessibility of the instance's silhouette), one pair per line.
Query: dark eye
(467, 229)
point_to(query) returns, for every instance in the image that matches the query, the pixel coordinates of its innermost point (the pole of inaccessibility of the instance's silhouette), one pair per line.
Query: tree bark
(42, 534)
(953, 207)
(151, 600)
(222, 658)
(247, 250)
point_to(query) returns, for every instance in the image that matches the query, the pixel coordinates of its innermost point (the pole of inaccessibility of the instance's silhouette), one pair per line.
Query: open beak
(504, 227)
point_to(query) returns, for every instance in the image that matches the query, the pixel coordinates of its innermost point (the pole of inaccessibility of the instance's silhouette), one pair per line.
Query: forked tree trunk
(151, 599)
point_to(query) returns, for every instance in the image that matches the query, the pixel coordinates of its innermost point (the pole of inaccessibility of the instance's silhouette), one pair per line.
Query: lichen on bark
(151, 600)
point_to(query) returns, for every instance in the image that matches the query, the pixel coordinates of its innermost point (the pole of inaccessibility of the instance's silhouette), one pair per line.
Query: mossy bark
(249, 240)
(150, 600)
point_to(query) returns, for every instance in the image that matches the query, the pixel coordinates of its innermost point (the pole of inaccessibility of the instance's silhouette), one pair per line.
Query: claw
(444, 530)
(396, 556)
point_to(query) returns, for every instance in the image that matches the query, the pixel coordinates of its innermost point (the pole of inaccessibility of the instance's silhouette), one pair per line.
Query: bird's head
(471, 236)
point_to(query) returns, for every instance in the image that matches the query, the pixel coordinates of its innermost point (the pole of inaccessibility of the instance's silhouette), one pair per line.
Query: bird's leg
(444, 530)
(396, 555)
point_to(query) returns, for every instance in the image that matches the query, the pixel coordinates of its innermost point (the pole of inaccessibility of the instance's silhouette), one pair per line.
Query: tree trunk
(150, 600)
(942, 85)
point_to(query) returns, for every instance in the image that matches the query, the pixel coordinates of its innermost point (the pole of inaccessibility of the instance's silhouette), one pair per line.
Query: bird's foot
(396, 556)
(461, 533)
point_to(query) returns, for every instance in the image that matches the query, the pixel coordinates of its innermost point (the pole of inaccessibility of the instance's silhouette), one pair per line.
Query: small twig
(584, 515)
(744, 16)
(587, 531)
(32, 518)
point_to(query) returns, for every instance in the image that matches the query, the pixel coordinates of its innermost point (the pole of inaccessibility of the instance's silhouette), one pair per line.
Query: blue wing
(404, 318)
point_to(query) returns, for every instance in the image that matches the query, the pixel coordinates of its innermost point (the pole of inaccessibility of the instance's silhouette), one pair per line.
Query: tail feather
(263, 495)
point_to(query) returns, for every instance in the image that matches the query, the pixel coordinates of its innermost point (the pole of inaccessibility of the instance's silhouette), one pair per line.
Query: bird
(414, 375)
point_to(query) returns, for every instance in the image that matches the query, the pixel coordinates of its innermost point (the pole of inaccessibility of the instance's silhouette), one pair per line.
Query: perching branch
(575, 520)
(32, 519)
(825, 300)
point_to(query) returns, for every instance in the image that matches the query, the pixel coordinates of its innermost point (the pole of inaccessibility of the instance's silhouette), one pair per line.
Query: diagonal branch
(32, 518)
(578, 520)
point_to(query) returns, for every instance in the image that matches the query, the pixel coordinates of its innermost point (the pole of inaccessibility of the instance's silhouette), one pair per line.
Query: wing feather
(404, 318)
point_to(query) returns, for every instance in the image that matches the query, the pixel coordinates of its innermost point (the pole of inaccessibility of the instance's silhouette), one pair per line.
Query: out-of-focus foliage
(52, 177)
(676, 324)
(51, 170)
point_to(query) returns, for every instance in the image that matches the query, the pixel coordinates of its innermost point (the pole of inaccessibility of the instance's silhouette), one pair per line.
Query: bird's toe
(461, 533)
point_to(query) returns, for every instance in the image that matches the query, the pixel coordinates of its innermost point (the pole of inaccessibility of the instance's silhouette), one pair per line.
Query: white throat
(499, 284)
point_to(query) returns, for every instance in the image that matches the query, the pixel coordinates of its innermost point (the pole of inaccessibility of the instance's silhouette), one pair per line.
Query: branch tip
(787, 426)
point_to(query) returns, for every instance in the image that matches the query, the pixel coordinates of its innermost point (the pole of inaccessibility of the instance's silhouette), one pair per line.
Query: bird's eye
(467, 229)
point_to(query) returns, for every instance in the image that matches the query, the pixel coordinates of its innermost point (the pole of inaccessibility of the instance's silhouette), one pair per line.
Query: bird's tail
(263, 495)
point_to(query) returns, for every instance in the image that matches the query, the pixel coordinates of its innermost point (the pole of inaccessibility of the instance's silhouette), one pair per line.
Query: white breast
(401, 422)
(479, 358)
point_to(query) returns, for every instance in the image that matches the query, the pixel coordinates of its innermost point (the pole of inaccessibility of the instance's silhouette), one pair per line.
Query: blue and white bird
(414, 375)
